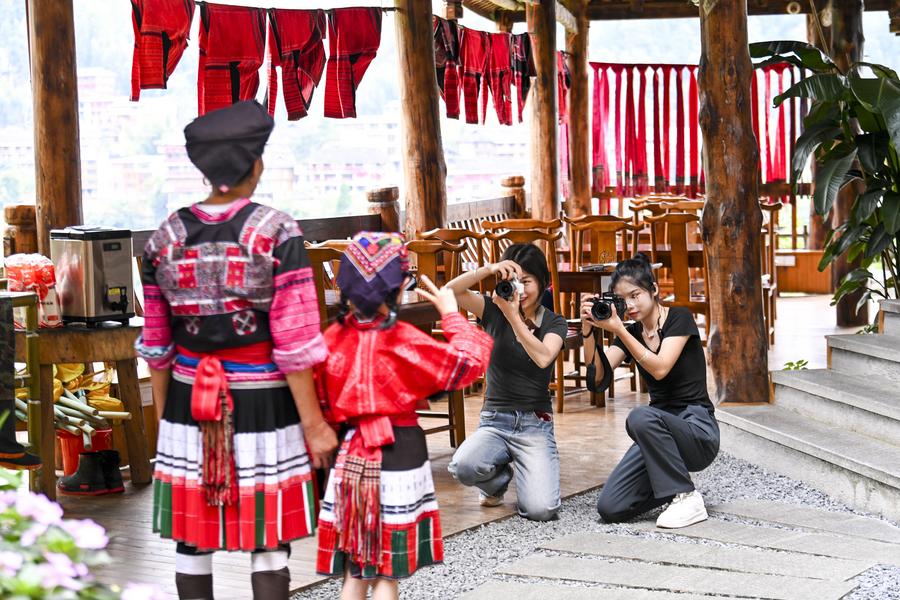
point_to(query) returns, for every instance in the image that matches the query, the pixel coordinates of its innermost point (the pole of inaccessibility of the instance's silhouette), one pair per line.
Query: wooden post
(383, 201)
(579, 115)
(818, 230)
(732, 218)
(57, 161)
(847, 47)
(21, 230)
(541, 19)
(453, 10)
(514, 186)
(424, 170)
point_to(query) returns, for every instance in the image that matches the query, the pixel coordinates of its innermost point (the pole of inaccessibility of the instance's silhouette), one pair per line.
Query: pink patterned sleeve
(294, 315)
(155, 342)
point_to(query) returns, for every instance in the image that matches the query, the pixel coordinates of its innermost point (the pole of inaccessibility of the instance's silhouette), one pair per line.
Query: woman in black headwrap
(231, 334)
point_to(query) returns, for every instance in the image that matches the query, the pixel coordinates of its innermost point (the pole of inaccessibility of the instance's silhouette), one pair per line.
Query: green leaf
(873, 150)
(878, 241)
(890, 212)
(822, 111)
(829, 178)
(882, 97)
(777, 60)
(868, 121)
(880, 70)
(810, 140)
(819, 87)
(811, 57)
(866, 204)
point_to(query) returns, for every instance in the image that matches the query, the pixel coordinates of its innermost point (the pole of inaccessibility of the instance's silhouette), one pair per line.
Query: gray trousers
(656, 468)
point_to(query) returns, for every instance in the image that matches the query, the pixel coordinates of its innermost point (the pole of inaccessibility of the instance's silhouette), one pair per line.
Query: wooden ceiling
(605, 10)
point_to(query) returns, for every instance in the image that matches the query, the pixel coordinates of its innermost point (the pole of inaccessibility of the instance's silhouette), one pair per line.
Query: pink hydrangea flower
(142, 591)
(37, 506)
(59, 571)
(86, 533)
(10, 563)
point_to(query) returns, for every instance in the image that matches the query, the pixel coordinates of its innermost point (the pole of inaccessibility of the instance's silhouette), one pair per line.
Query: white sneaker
(490, 501)
(686, 509)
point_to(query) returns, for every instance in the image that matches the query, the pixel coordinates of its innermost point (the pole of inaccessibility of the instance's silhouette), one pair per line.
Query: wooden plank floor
(591, 440)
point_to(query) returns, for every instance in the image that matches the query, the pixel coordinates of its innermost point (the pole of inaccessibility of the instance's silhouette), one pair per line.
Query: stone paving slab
(524, 591)
(823, 544)
(811, 518)
(678, 579)
(747, 560)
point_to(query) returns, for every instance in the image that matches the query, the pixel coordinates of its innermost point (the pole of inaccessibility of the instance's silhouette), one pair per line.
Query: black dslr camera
(507, 288)
(602, 306)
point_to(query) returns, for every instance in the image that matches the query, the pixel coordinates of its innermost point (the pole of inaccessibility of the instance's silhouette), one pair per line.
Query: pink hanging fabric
(666, 126)
(641, 175)
(693, 115)
(754, 92)
(780, 160)
(630, 135)
(600, 163)
(767, 103)
(620, 175)
(658, 180)
(679, 133)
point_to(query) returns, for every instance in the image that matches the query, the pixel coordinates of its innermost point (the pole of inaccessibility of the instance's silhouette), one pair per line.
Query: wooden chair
(680, 270)
(428, 254)
(319, 256)
(499, 246)
(771, 213)
(573, 336)
(471, 257)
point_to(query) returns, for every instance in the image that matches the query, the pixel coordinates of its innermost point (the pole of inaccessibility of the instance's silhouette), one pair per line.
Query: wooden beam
(57, 159)
(424, 170)
(579, 115)
(605, 10)
(544, 114)
(732, 219)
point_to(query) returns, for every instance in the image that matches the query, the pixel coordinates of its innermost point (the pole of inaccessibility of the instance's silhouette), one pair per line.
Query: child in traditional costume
(379, 520)
(231, 335)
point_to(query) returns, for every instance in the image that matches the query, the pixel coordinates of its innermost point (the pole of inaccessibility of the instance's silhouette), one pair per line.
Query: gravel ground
(472, 556)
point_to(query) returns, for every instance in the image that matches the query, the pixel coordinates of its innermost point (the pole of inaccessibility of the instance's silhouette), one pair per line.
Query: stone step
(862, 471)
(525, 591)
(836, 398)
(891, 309)
(876, 357)
(745, 560)
(794, 515)
(809, 542)
(677, 579)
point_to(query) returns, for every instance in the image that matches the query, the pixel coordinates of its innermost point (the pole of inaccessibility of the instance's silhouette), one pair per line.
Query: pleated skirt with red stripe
(410, 521)
(277, 502)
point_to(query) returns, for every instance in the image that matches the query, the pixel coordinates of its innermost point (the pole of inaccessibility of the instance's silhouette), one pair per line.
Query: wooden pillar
(21, 230)
(514, 186)
(732, 218)
(57, 160)
(384, 202)
(541, 19)
(424, 170)
(818, 229)
(847, 47)
(579, 114)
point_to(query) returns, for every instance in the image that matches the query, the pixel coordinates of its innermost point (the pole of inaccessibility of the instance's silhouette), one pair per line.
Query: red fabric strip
(620, 178)
(754, 91)
(658, 179)
(767, 102)
(630, 138)
(641, 149)
(666, 125)
(601, 126)
(679, 133)
(694, 123)
(251, 354)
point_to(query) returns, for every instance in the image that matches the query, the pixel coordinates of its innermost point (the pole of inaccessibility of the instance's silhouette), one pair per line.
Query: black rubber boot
(271, 585)
(111, 473)
(194, 587)
(19, 461)
(88, 480)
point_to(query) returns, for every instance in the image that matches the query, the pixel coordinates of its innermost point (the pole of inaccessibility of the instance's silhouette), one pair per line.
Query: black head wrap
(225, 143)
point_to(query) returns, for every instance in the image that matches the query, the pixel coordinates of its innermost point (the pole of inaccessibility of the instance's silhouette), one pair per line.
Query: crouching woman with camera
(515, 436)
(677, 432)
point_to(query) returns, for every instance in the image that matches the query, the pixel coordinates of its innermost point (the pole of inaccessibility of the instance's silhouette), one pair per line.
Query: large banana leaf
(873, 150)
(882, 97)
(811, 57)
(890, 212)
(867, 203)
(810, 140)
(820, 87)
(829, 179)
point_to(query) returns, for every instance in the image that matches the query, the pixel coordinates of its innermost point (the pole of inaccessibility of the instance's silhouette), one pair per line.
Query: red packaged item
(34, 273)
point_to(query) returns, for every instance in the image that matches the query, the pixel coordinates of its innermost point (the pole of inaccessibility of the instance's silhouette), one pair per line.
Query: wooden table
(424, 315)
(80, 345)
(696, 256)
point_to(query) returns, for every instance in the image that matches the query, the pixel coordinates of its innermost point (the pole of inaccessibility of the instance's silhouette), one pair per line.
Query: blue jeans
(508, 444)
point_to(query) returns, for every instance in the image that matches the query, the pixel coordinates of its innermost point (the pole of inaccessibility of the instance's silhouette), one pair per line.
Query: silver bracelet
(644, 355)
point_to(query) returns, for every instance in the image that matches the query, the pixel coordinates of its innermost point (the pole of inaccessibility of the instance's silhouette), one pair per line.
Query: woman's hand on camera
(443, 299)
(587, 318)
(510, 308)
(506, 269)
(613, 324)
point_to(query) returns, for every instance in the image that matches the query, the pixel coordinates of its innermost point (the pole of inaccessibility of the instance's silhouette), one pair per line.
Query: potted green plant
(853, 131)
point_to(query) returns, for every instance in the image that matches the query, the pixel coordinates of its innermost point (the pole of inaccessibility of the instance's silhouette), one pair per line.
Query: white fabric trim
(190, 564)
(271, 560)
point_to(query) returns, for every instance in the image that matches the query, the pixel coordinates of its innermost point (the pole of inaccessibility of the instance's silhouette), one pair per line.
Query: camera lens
(504, 289)
(600, 310)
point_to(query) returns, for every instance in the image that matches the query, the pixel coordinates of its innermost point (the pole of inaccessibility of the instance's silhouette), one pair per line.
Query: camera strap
(592, 383)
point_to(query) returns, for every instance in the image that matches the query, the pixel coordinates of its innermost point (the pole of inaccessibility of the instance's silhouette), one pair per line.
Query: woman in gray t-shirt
(515, 436)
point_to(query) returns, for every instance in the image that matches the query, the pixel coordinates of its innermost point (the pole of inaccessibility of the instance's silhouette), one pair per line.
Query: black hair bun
(641, 258)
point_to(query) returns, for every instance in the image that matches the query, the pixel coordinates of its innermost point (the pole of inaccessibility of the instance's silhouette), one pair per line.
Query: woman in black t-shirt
(515, 437)
(677, 432)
